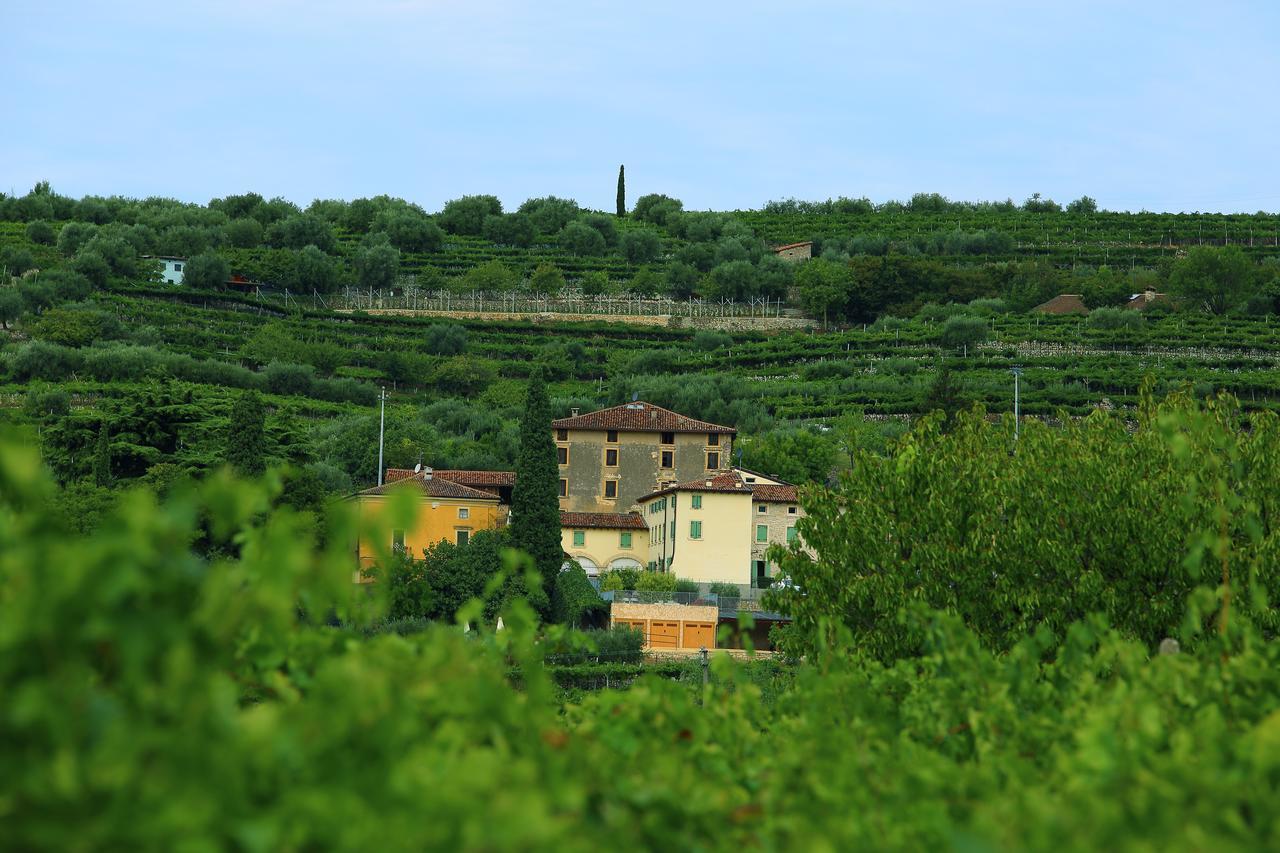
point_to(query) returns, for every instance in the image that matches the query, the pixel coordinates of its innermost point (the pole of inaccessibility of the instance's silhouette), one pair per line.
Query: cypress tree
(247, 436)
(102, 458)
(622, 190)
(535, 500)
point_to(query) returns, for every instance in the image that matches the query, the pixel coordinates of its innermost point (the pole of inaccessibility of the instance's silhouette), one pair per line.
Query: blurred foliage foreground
(158, 697)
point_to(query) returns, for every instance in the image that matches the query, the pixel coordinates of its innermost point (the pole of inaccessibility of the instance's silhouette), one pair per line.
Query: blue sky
(1167, 106)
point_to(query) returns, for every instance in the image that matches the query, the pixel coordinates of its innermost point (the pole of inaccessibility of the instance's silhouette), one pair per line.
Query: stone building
(610, 458)
(600, 541)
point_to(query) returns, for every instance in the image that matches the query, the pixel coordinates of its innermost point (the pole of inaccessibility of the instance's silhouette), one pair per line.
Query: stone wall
(726, 324)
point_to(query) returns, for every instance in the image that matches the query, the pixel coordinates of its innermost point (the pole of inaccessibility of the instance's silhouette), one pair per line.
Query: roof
(475, 479)
(162, 257)
(793, 245)
(433, 488)
(1063, 303)
(1141, 301)
(774, 494)
(603, 520)
(732, 481)
(639, 417)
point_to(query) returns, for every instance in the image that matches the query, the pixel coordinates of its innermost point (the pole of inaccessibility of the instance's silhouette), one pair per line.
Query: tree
(304, 229)
(547, 280)
(246, 436)
(578, 238)
(574, 601)
(314, 270)
(964, 330)
(603, 223)
(41, 232)
(490, 277)
(622, 192)
(794, 455)
(409, 231)
(102, 458)
(823, 287)
(1216, 279)
(11, 306)
(550, 214)
(244, 233)
(656, 207)
(535, 504)
(514, 229)
(445, 339)
(682, 280)
(594, 283)
(645, 282)
(73, 236)
(466, 215)
(640, 246)
(945, 394)
(1084, 204)
(377, 266)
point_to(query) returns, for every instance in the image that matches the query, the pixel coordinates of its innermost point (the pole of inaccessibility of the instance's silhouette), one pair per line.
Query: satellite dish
(417, 468)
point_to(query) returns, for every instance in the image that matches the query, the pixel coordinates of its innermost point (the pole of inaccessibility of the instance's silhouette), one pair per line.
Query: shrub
(616, 579)
(41, 232)
(656, 582)
(284, 378)
(964, 330)
(709, 341)
(445, 339)
(574, 601)
(206, 271)
(683, 585)
(1113, 319)
(92, 267)
(578, 238)
(46, 402)
(640, 246)
(466, 215)
(73, 236)
(43, 360)
(726, 590)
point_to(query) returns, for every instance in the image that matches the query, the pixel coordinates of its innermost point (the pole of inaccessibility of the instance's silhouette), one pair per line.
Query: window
(761, 571)
(624, 540)
(177, 267)
(695, 530)
(611, 436)
(791, 534)
(611, 458)
(464, 536)
(397, 540)
(579, 538)
(668, 459)
(464, 512)
(697, 501)
(562, 456)
(762, 508)
(673, 530)
(791, 510)
(713, 461)
(713, 440)
(668, 438)
(611, 489)
(762, 533)
(564, 488)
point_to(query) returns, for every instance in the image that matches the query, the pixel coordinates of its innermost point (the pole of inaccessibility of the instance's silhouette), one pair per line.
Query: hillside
(90, 341)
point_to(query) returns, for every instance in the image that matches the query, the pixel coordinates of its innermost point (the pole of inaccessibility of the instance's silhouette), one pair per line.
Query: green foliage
(490, 277)
(41, 232)
(792, 455)
(547, 280)
(513, 229)
(315, 271)
(102, 458)
(1114, 319)
(1216, 279)
(645, 282)
(208, 271)
(246, 435)
(1084, 204)
(466, 215)
(445, 339)
(11, 306)
(300, 230)
(640, 246)
(535, 505)
(709, 341)
(656, 207)
(725, 590)
(622, 192)
(962, 330)
(656, 582)
(377, 266)
(579, 238)
(574, 601)
(617, 579)
(409, 231)
(550, 214)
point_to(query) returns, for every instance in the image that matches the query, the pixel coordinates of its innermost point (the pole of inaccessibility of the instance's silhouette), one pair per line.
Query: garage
(698, 635)
(664, 635)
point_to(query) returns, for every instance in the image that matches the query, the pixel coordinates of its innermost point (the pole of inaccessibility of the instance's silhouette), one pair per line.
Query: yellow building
(701, 529)
(718, 528)
(600, 541)
(444, 511)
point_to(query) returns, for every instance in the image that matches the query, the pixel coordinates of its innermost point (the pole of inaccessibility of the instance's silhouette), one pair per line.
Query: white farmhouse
(171, 269)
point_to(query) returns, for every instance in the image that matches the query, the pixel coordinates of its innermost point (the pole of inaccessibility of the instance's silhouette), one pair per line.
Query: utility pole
(1017, 371)
(382, 424)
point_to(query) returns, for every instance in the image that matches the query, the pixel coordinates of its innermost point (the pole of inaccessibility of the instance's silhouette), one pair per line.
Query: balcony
(747, 601)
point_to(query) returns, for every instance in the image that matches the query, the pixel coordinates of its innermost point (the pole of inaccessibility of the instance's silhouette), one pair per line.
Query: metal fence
(409, 298)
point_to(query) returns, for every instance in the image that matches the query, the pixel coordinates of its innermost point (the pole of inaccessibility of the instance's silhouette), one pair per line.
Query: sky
(1157, 106)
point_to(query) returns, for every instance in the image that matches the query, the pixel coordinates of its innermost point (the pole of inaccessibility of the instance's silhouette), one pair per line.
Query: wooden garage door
(699, 635)
(664, 635)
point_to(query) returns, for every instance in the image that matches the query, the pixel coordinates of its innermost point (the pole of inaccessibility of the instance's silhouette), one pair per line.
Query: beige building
(610, 458)
(600, 541)
(719, 527)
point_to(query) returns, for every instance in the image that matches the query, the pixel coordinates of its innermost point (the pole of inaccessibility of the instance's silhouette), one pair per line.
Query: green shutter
(697, 501)
(579, 538)
(695, 529)
(762, 533)
(626, 541)
(791, 534)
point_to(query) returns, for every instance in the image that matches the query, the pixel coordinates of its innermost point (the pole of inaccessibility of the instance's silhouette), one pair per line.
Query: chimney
(708, 484)
(426, 473)
(573, 413)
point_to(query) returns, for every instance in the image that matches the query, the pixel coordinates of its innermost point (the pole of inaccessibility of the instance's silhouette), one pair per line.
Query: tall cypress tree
(622, 190)
(535, 500)
(102, 458)
(247, 436)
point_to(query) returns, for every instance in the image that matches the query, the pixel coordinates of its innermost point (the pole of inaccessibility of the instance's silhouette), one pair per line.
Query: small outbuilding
(1146, 299)
(1063, 304)
(170, 267)
(795, 251)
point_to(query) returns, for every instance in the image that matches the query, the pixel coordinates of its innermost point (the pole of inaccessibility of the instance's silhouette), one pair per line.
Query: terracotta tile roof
(725, 481)
(466, 478)
(774, 494)
(1142, 301)
(793, 245)
(433, 488)
(639, 417)
(603, 520)
(1063, 303)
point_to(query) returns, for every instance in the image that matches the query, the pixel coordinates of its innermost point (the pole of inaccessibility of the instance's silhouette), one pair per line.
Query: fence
(409, 298)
